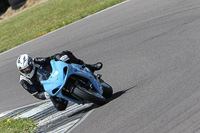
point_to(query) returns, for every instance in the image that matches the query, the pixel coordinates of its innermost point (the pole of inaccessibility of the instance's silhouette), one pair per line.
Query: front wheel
(107, 89)
(89, 95)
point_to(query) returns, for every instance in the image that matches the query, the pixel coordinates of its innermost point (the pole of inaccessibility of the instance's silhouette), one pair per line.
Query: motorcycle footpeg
(98, 76)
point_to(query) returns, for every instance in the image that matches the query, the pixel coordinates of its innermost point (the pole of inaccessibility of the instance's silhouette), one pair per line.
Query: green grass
(45, 18)
(20, 125)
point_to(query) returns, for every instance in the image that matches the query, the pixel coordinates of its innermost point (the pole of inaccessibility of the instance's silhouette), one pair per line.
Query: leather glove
(64, 58)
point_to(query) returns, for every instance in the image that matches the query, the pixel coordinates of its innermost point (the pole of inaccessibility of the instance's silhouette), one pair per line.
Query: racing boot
(58, 103)
(95, 67)
(98, 76)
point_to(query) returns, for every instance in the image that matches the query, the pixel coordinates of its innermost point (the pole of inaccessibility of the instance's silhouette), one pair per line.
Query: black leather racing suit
(34, 87)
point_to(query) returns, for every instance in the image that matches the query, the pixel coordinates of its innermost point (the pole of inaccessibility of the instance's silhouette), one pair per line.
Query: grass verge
(46, 17)
(20, 125)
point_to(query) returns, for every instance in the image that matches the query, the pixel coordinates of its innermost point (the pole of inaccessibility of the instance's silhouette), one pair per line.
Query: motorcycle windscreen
(44, 73)
(56, 79)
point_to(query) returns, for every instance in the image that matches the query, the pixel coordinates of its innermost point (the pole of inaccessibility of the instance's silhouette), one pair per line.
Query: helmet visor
(27, 70)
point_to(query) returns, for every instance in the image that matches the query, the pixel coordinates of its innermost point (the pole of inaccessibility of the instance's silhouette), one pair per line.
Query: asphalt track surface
(151, 55)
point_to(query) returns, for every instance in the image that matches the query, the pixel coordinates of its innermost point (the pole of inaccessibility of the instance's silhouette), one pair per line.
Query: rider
(28, 66)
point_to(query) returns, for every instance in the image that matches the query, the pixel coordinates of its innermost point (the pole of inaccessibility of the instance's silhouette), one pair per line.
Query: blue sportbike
(73, 82)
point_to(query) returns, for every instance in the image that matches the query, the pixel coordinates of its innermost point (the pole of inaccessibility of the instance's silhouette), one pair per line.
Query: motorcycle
(73, 82)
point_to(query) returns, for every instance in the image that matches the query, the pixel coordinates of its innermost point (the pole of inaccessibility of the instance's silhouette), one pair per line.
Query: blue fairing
(60, 73)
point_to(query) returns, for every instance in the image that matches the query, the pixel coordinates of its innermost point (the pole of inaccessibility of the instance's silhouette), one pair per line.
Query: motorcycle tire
(107, 89)
(16, 4)
(91, 95)
(4, 5)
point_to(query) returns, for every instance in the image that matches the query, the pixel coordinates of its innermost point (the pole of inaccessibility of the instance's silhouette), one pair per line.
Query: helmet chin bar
(30, 75)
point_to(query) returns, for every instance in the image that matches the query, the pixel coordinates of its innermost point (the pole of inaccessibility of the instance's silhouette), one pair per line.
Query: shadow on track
(93, 106)
(119, 93)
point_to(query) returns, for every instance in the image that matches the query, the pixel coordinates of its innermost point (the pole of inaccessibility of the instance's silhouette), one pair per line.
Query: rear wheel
(89, 95)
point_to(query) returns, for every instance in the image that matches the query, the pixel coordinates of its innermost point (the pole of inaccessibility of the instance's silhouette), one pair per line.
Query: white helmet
(25, 65)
